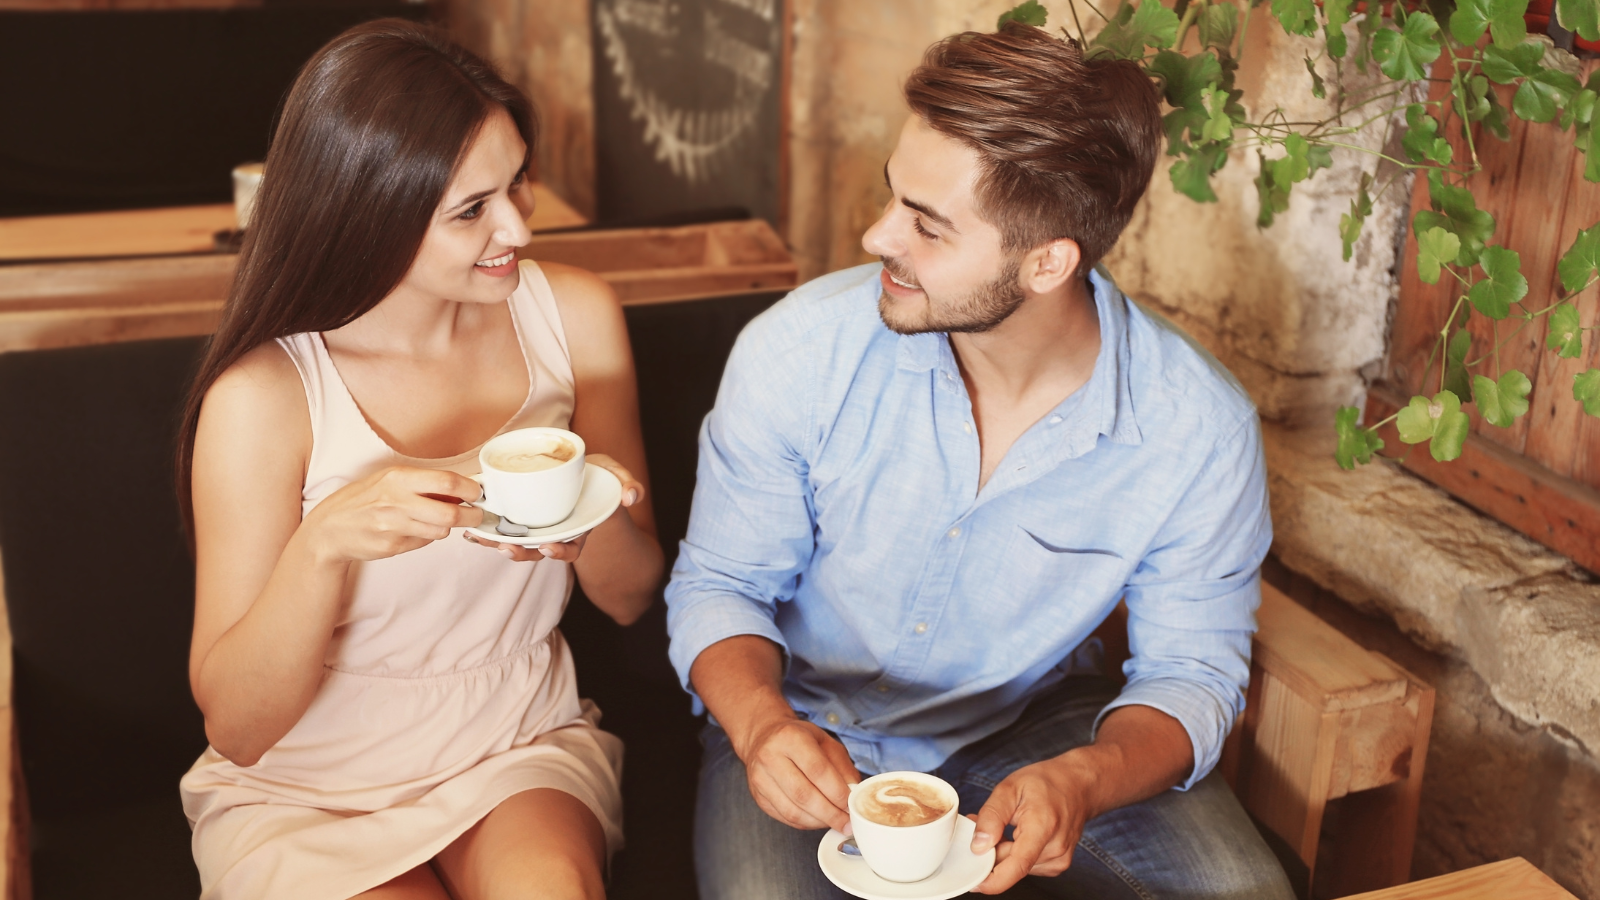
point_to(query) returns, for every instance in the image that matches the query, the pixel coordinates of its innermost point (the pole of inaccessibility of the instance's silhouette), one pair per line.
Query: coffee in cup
(903, 823)
(532, 476)
(535, 456)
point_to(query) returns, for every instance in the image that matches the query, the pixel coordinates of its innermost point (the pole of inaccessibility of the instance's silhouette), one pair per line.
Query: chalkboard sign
(687, 106)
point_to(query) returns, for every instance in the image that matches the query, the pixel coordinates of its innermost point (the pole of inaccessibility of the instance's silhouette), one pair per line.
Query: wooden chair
(1326, 719)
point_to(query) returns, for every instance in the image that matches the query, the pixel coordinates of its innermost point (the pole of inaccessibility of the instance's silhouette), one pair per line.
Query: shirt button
(967, 427)
(883, 689)
(1054, 419)
(954, 532)
(922, 628)
(833, 718)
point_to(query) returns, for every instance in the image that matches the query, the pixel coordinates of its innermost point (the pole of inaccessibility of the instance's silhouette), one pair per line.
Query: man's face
(943, 265)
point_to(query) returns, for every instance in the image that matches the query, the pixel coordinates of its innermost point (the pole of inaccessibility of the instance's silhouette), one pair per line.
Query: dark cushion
(99, 589)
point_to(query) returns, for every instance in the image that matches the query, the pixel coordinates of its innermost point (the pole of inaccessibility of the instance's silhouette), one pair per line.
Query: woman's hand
(569, 551)
(391, 512)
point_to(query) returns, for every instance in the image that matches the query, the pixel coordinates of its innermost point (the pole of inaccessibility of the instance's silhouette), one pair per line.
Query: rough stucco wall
(543, 47)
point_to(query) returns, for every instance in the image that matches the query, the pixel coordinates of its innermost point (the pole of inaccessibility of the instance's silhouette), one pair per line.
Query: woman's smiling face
(469, 252)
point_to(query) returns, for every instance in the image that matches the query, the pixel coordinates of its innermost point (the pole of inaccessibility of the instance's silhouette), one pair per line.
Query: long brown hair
(370, 135)
(1066, 144)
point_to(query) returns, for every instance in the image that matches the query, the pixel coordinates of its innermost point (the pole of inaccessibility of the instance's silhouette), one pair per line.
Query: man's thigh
(1179, 844)
(740, 852)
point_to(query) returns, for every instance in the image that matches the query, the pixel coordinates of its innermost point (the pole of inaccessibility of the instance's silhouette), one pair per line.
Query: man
(925, 483)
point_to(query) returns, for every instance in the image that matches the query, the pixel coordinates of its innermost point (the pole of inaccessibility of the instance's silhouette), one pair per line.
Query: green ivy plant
(1488, 44)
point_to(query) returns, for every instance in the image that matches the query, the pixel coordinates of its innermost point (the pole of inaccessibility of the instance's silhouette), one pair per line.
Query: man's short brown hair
(1066, 144)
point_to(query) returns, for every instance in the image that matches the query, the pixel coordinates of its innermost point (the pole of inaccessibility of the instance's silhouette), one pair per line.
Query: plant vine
(1486, 43)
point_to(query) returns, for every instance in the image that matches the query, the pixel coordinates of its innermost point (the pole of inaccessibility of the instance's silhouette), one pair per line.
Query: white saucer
(599, 498)
(961, 871)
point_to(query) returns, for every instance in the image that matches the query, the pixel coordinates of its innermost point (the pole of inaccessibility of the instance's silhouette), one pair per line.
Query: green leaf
(1456, 378)
(1191, 176)
(1134, 28)
(1500, 402)
(1414, 423)
(1504, 285)
(1586, 390)
(1435, 247)
(1218, 25)
(1296, 16)
(1185, 79)
(1356, 444)
(1580, 261)
(1028, 13)
(1421, 141)
(1504, 66)
(1439, 421)
(1338, 13)
(1460, 216)
(1365, 29)
(1566, 334)
(1405, 54)
(1218, 127)
(1475, 102)
(1351, 222)
(1582, 16)
(1451, 435)
(1318, 89)
(1542, 93)
(1502, 17)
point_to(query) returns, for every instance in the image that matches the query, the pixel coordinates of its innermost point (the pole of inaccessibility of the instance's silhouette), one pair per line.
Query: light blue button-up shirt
(837, 514)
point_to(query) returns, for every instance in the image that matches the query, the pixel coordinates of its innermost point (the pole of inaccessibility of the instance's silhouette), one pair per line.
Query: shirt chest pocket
(1064, 565)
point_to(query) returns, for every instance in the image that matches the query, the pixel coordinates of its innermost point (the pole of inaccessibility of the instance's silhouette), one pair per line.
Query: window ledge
(1524, 618)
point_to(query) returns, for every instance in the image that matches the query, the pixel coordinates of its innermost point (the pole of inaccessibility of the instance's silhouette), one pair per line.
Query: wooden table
(176, 230)
(1509, 879)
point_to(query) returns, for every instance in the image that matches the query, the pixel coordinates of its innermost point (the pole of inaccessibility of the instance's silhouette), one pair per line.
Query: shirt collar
(1103, 406)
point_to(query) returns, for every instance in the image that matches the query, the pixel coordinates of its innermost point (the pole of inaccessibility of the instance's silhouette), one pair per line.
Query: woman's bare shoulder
(261, 394)
(580, 289)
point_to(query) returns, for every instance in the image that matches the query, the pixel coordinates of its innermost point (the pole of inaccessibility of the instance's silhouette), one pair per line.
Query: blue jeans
(1191, 845)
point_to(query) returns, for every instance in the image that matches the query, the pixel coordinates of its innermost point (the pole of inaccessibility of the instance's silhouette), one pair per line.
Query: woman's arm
(621, 564)
(269, 587)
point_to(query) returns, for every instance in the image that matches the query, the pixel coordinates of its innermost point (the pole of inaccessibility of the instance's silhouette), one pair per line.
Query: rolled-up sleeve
(1192, 601)
(750, 530)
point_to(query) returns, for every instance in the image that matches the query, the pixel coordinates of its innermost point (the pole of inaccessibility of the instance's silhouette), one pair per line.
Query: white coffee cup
(246, 179)
(904, 853)
(533, 499)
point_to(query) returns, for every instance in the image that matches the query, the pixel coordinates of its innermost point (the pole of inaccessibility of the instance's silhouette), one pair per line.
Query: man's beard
(981, 310)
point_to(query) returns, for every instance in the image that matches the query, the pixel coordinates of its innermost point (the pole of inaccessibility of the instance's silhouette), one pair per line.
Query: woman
(390, 709)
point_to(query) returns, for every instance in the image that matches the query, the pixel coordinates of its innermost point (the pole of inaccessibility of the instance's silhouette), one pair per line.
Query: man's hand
(799, 774)
(1047, 805)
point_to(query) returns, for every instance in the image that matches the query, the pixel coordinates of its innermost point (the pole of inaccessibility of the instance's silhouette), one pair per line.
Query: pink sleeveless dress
(447, 687)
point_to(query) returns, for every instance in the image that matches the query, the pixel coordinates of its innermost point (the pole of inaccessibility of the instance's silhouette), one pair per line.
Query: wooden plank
(1378, 827)
(59, 304)
(1558, 512)
(1509, 879)
(1423, 307)
(1555, 437)
(1316, 661)
(1289, 760)
(177, 230)
(1526, 186)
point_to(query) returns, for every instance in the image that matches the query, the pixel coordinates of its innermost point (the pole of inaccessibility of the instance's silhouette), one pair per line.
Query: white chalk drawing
(693, 143)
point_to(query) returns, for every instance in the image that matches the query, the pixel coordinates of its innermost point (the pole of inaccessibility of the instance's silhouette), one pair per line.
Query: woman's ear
(1051, 265)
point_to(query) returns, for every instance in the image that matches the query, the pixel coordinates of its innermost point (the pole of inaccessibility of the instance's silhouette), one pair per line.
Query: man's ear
(1051, 265)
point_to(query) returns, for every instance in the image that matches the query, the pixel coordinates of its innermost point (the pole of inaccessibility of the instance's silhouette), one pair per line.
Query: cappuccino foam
(902, 804)
(535, 457)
